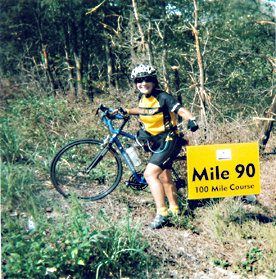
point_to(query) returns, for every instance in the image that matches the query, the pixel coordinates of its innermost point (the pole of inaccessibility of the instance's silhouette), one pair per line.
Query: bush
(72, 247)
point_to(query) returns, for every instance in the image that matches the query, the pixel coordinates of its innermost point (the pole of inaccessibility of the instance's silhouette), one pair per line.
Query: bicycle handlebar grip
(122, 111)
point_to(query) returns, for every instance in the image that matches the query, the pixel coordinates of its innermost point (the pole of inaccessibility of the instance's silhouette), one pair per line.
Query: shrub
(71, 247)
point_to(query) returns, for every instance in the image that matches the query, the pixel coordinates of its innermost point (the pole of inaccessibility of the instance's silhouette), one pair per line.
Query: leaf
(74, 253)
(81, 261)
(15, 255)
(50, 270)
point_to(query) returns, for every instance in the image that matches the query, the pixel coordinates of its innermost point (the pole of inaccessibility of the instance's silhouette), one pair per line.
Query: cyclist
(157, 111)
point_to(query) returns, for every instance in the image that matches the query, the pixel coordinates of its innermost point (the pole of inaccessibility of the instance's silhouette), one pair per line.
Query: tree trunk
(79, 73)
(202, 94)
(134, 58)
(139, 25)
(68, 62)
(110, 80)
(177, 88)
(145, 44)
(149, 45)
(77, 35)
(268, 125)
(164, 51)
(47, 68)
(165, 72)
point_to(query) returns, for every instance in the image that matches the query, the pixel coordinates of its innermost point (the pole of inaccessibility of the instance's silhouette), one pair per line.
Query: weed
(254, 261)
(228, 221)
(11, 142)
(223, 263)
(71, 246)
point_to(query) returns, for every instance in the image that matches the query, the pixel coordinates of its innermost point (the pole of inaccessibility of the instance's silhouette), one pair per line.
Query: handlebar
(108, 116)
(108, 113)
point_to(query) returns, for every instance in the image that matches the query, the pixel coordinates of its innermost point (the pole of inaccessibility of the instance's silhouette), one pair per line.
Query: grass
(72, 246)
(76, 244)
(249, 228)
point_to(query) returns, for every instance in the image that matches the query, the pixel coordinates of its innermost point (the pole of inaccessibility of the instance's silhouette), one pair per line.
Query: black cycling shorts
(164, 159)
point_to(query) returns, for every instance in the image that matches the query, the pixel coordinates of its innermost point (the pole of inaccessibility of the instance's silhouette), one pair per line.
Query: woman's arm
(132, 111)
(124, 111)
(185, 114)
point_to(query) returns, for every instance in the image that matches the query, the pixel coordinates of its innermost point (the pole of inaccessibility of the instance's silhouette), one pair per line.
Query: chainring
(134, 184)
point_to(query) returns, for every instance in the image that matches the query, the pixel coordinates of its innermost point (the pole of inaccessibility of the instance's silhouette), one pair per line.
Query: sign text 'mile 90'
(223, 170)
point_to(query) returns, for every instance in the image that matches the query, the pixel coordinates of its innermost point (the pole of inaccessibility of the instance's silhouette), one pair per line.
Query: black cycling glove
(123, 111)
(192, 125)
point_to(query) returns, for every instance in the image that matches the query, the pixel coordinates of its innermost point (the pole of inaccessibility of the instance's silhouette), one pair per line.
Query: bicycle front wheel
(70, 172)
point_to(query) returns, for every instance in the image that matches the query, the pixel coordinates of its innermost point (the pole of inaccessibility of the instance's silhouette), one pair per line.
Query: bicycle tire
(68, 170)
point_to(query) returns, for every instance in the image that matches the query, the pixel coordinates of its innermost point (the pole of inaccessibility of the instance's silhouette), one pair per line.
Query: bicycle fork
(98, 158)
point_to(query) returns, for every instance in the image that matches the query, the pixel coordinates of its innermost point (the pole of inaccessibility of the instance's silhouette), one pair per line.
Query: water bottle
(133, 156)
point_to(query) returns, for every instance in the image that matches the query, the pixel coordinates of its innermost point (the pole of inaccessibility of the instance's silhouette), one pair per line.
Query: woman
(157, 110)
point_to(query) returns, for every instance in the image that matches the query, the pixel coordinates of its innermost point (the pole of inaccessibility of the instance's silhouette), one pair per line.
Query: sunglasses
(145, 79)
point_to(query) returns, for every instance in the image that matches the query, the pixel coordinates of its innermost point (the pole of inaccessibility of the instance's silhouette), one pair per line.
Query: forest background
(216, 55)
(59, 59)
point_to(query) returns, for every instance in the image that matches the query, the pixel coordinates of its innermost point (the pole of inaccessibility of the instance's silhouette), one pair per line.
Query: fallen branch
(269, 112)
(268, 119)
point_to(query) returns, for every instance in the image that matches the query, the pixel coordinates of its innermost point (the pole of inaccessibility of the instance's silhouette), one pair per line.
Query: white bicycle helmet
(143, 71)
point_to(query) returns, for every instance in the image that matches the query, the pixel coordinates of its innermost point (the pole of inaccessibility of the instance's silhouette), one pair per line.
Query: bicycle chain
(134, 184)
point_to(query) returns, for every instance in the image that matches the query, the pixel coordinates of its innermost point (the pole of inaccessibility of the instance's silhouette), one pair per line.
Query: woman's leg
(169, 187)
(170, 190)
(151, 174)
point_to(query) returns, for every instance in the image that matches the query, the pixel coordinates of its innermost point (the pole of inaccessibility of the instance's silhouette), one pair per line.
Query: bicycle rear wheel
(179, 171)
(69, 167)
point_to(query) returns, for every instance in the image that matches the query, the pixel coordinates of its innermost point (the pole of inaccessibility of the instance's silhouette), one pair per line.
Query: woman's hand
(186, 115)
(121, 111)
(192, 124)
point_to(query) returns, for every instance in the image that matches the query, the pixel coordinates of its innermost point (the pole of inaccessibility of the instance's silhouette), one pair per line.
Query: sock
(174, 209)
(162, 211)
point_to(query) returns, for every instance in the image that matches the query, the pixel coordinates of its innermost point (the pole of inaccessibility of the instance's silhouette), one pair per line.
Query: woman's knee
(166, 177)
(152, 172)
(148, 174)
(164, 180)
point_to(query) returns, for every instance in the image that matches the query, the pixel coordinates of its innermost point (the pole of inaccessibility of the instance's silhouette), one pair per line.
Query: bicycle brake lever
(121, 111)
(100, 107)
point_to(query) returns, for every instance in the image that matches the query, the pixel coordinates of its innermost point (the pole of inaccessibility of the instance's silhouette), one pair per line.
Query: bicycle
(92, 169)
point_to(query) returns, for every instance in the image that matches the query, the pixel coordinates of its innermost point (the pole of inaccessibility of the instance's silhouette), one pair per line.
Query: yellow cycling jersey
(157, 112)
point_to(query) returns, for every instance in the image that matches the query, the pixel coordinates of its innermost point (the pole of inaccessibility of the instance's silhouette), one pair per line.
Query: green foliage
(236, 49)
(32, 131)
(229, 222)
(10, 142)
(29, 139)
(71, 246)
(223, 263)
(33, 128)
(17, 183)
(254, 262)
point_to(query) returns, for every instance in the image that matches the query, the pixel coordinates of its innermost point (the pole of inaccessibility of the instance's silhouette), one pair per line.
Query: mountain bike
(91, 169)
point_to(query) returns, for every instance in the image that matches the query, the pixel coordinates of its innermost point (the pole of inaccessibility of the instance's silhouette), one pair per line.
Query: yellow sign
(223, 170)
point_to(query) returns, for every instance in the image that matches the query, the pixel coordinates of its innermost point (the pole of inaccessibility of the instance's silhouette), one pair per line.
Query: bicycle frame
(114, 139)
(66, 170)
